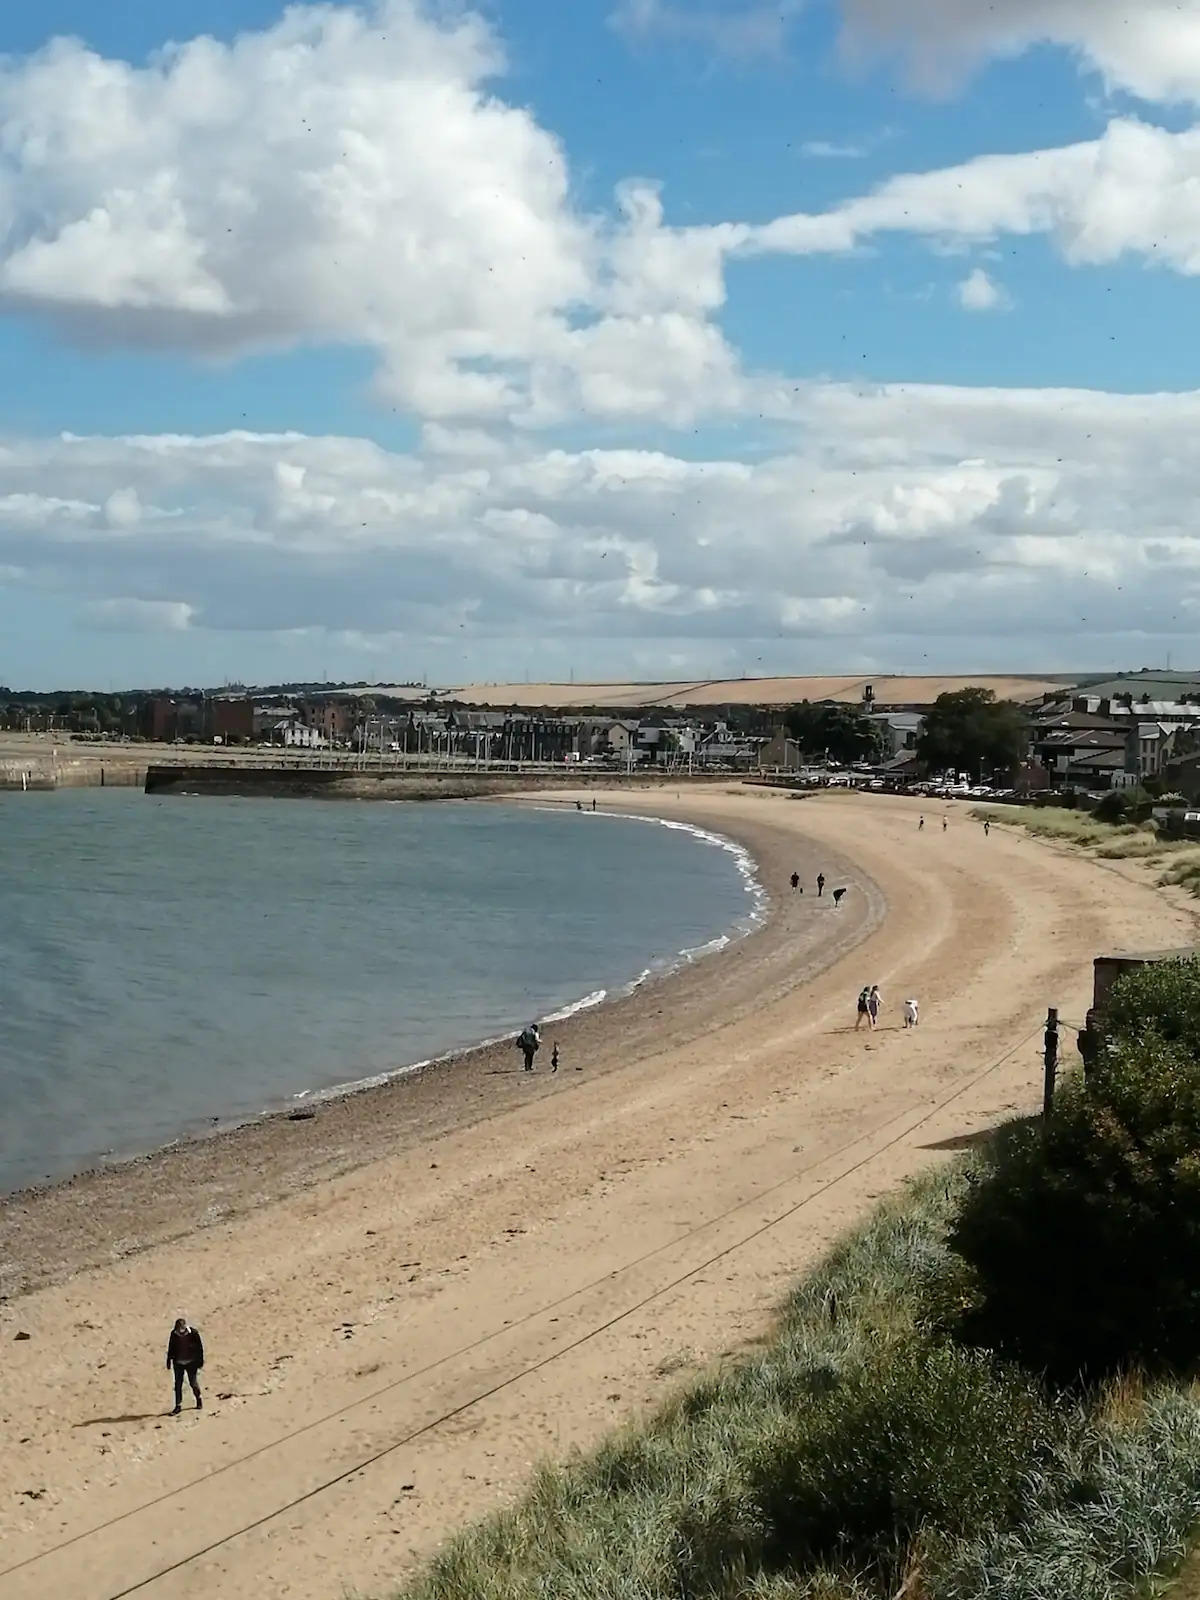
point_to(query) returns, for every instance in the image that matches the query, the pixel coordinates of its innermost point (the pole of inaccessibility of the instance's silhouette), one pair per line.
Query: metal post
(1051, 1060)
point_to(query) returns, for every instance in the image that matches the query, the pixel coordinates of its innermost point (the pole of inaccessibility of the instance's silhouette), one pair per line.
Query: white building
(299, 736)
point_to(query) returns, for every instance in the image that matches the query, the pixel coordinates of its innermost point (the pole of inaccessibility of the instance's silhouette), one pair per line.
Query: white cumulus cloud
(979, 292)
(898, 523)
(1151, 48)
(1134, 191)
(351, 177)
(343, 175)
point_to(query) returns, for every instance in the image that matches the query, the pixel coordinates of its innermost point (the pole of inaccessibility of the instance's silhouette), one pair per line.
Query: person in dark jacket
(529, 1042)
(185, 1352)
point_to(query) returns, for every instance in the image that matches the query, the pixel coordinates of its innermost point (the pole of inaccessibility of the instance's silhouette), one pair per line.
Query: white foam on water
(596, 998)
(745, 864)
(663, 968)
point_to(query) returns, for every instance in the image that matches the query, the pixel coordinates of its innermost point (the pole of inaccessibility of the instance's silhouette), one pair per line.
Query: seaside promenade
(411, 1299)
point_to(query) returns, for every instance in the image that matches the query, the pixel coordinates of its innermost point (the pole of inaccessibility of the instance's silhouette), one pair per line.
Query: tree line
(968, 730)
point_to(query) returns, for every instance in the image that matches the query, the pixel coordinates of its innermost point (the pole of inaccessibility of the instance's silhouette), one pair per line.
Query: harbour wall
(400, 784)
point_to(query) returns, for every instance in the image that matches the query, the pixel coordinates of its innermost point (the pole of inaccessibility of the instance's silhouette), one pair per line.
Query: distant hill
(752, 691)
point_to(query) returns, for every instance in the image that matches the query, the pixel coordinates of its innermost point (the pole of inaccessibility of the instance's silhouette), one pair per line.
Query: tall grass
(1073, 827)
(1124, 841)
(1142, 1501)
(1184, 871)
(861, 1451)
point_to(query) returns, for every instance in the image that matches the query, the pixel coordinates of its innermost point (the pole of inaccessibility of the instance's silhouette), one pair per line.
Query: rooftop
(1098, 761)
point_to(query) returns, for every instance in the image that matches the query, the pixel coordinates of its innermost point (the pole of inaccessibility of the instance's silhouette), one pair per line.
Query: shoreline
(595, 1000)
(50, 1231)
(391, 1350)
(294, 1104)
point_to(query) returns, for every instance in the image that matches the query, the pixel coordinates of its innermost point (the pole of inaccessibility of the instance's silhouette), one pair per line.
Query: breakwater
(41, 774)
(398, 783)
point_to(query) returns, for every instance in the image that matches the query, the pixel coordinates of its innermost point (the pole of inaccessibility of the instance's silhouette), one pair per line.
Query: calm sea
(165, 963)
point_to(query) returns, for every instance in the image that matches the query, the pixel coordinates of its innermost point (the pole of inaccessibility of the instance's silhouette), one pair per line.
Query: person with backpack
(864, 1008)
(185, 1352)
(529, 1042)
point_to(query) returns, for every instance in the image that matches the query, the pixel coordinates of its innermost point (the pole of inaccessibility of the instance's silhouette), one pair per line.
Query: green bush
(1084, 1233)
(1112, 807)
(861, 1453)
(924, 1434)
(1140, 1503)
(1162, 998)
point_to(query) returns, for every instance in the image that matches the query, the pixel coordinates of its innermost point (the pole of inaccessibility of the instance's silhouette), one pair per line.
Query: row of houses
(325, 723)
(516, 736)
(1102, 739)
(1094, 742)
(236, 719)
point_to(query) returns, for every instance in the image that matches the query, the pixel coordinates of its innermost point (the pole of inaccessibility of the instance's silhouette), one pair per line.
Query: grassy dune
(1078, 828)
(1106, 841)
(862, 1454)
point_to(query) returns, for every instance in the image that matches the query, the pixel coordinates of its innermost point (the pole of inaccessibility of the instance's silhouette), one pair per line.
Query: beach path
(392, 1350)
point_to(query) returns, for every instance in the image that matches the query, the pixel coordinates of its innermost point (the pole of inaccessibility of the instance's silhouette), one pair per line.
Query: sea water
(167, 964)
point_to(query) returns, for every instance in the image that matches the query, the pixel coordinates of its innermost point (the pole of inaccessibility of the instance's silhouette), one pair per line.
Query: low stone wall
(71, 775)
(338, 784)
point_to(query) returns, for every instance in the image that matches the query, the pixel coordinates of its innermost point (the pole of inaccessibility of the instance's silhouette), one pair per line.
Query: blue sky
(630, 337)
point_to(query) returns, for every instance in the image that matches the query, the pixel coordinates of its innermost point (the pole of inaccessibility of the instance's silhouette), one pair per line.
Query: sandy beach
(416, 1295)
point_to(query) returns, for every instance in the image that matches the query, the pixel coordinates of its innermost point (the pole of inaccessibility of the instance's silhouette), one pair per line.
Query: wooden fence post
(1051, 1060)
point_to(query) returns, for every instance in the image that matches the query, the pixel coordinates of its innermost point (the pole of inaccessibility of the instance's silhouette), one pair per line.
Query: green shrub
(1162, 998)
(924, 1434)
(1112, 807)
(1084, 1233)
(1142, 1501)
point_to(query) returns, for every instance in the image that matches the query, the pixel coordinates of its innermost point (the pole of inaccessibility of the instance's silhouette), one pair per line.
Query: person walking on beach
(554, 1057)
(864, 1009)
(795, 881)
(874, 1002)
(911, 1014)
(837, 897)
(945, 824)
(820, 884)
(921, 824)
(185, 1352)
(593, 805)
(529, 1042)
(987, 828)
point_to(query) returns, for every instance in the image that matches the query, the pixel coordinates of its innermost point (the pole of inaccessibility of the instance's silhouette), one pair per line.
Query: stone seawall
(40, 774)
(326, 783)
